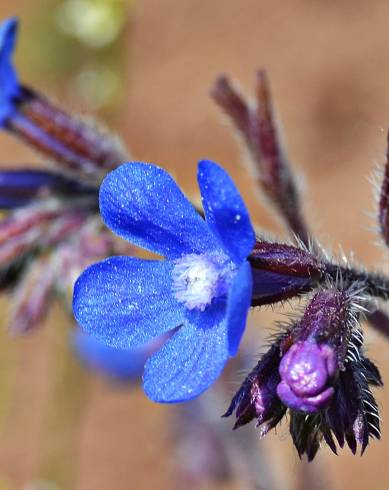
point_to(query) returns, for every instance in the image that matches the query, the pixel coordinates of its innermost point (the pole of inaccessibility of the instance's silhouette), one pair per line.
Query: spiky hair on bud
(383, 201)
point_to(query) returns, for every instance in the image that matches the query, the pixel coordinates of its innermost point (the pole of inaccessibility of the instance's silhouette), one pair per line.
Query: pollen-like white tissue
(199, 278)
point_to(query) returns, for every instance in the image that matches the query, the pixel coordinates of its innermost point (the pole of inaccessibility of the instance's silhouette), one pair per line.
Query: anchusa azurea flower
(203, 286)
(186, 311)
(214, 269)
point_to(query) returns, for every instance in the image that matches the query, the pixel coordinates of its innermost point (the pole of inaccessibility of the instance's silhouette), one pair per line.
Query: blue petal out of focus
(9, 84)
(119, 364)
(203, 286)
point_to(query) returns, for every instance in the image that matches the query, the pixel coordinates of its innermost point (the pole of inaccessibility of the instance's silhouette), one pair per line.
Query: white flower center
(198, 279)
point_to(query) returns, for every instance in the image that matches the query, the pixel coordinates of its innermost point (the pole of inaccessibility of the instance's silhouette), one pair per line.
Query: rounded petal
(126, 302)
(142, 204)
(8, 34)
(9, 86)
(187, 364)
(225, 210)
(239, 301)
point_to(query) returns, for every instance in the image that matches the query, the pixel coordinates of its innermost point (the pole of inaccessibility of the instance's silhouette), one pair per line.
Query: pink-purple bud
(317, 370)
(306, 371)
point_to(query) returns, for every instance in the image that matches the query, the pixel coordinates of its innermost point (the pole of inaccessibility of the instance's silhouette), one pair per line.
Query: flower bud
(306, 371)
(317, 370)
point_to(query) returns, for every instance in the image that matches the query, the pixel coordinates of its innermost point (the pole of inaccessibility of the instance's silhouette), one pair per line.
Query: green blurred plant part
(97, 86)
(95, 23)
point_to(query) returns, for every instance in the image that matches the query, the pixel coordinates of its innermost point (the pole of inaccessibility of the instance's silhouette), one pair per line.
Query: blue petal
(142, 203)
(187, 364)
(225, 210)
(239, 301)
(126, 302)
(9, 85)
(121, 364)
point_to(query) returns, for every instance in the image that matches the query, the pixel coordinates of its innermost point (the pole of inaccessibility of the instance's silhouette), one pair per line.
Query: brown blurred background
(147, 71)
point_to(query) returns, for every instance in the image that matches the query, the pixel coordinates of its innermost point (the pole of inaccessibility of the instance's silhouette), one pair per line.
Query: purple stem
(49, 146)
(379, 320)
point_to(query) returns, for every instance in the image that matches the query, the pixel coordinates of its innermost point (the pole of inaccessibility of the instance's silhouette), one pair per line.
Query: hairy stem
(374, 284)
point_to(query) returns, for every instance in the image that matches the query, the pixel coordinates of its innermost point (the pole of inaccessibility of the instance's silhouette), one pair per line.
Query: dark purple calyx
(282, 271)
(328, 319)
(257, 398)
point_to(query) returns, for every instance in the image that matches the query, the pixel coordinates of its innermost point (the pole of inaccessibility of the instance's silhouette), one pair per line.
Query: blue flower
(203, 286)
(124, 365)
(9, 83)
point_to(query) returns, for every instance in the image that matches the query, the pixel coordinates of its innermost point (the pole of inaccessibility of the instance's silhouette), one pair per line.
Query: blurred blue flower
(203, 287)
(119, 364)
(8, 79)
